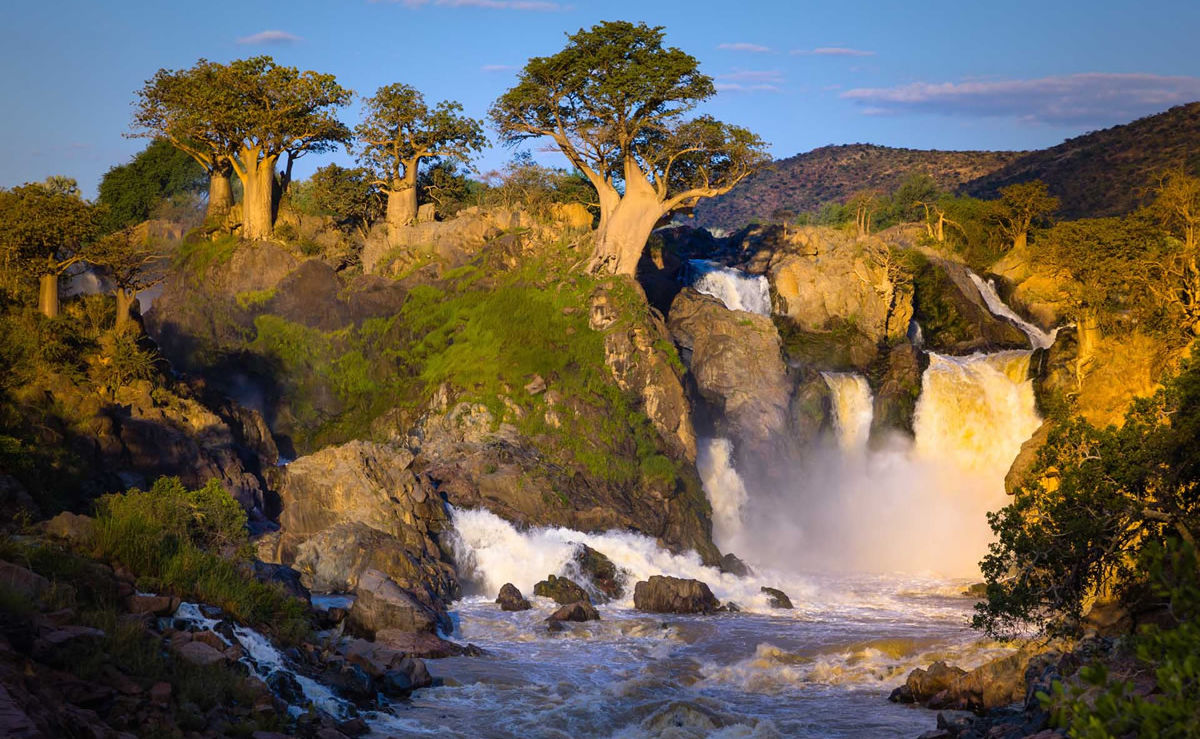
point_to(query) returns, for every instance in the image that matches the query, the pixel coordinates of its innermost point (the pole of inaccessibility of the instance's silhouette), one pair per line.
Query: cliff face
(518, 383)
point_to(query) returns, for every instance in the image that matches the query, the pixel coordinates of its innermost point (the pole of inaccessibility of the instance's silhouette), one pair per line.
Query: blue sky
(802, 74)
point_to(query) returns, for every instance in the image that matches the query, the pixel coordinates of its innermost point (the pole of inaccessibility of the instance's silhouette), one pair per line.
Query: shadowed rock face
(737, 362)
(662, 594)
(359, 507)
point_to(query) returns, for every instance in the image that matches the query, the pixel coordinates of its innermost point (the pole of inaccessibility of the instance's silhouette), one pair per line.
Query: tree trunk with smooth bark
(258, 181)
(401, 204)
(48, 295)
(125, 301)
(220, 193)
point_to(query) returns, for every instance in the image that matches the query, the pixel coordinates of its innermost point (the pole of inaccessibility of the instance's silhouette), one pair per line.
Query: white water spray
(726, 493)
(733, 287)
(1038, 338)
(853, 409)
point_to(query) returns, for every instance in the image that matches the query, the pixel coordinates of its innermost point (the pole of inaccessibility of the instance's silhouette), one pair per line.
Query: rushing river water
(822, 670)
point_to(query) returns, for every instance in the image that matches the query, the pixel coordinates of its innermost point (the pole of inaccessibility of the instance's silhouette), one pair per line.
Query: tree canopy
(400, 131)
(1020, 207)
(246, 114)
(130, 192)
(614, 102)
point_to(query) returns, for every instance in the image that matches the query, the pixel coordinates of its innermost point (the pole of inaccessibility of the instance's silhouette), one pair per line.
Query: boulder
(664, 594)
(778, 599)
(157, 605)
(198, 653)
(731, 564)
(953, 316)
(283, 576)
(357, 507)
(381, 660)
(898, 390)
(20, 580)
(382, 604)
(923, 685)
(600, 571)
(580, 611)
(737, 362)
(510, 599)
(561, 590)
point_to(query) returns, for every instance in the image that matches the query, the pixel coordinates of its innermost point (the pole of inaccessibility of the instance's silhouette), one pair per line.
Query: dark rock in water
(732, 565)
(510, 599)
(283, 575)
(561, 590)
(898, 390)
(975, 590)
(779, 599)
(902, 694)
(382, 604)
(663, 594)
(730, 607)
(580, 611)
(396, 684)
(354, 727)
(925, 684)
(554, 626)
(353, 681)
(285, 685)
(601, 571)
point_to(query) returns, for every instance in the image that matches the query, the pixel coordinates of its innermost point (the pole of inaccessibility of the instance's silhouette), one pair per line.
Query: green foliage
(1107, 708)
(348, 195)
(121, 361)
(131, 192)
(535, 188)
(197, 254)
(42, 229)
(252, 299)
(1093, 502)
(614, 100)
(190, 542)
(447, 187)
(399, 131)
(1021, 207)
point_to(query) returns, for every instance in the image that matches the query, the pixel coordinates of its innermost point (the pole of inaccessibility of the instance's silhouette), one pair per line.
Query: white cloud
(832, 51)
(270, 37)
(1078, 99)
(743, 46)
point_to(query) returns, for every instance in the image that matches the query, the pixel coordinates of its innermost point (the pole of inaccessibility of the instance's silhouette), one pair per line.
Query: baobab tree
(133, 262)
(42, 232)
(246, 115)
(399, 132)
(1020, 206)
(614, 102)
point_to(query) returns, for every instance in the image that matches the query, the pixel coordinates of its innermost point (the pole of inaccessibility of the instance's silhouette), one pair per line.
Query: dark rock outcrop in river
(510, 599)
(664, 594)
(561, 590)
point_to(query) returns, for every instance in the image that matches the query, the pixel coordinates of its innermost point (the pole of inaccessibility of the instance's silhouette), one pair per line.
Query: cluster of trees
(614, 101)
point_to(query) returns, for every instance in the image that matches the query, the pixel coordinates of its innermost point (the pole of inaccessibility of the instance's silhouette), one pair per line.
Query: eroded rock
(665, 594)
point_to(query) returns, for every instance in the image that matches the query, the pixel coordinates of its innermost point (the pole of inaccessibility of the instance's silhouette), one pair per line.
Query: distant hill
(1101, 173)
(806, 182)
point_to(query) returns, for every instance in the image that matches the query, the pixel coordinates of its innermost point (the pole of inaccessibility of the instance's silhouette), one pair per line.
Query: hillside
(805, 182)
(1102, 173)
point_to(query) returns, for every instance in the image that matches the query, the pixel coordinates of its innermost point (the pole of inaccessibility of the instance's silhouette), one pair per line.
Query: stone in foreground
(510, 599)
(663, 594)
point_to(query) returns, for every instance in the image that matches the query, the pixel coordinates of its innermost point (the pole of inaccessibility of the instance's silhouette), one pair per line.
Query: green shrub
(191, 542)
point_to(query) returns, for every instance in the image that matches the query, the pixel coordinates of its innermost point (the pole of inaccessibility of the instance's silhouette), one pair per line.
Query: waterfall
(724, 488)
(1038, 338)
(733, 287)
(853, 408)
(976, 411)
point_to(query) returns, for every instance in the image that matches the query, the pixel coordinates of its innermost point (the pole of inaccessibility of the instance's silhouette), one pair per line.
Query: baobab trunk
(259, 185)
(48, 295)
(622, 239)
(220, 193)
(1020, 240)
(401, 205)
(125, 300)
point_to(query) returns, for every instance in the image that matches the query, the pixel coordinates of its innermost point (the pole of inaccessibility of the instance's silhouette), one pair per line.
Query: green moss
(196, 255)
(252, 299)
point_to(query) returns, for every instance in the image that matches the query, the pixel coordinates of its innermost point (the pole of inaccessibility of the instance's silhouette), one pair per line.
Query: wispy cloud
(744, 46)
(749, 80)
(497, 68)
(1078, 99)
(269, 37)
(832, 51)
(538, 5)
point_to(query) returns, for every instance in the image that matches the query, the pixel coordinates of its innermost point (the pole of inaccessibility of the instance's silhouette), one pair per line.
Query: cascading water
(736, 289)
(853, 409)
(1038, 338)
(725, 490)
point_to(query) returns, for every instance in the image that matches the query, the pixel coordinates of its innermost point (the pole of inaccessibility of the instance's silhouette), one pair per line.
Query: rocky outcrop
(777, 598)
(898, 389)
(639, 357)
(357, 508)
(381, 604)
(664, 594)
(510, 599)
(449, 241)
(952, 314)
(479, 463)
(561, 590)
(922, 685)
(580, 611)
(599, 571)
(737, 362)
